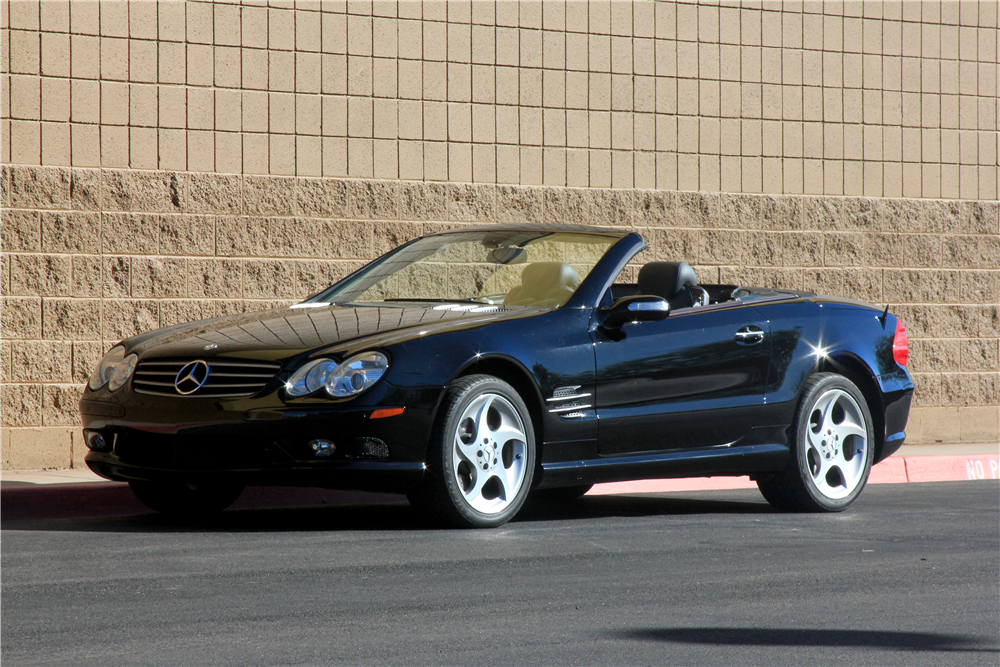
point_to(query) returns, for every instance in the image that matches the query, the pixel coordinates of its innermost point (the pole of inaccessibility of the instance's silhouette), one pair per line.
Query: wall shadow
(392, 513)
(641, 505)
(865, 639)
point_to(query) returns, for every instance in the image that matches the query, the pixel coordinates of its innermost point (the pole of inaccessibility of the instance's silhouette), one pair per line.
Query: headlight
(310, 377)
(348, 378)
(123, 371)
(114, 370)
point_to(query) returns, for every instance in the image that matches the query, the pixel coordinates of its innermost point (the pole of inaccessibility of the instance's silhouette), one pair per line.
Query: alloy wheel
(489, 453)
(836, 444)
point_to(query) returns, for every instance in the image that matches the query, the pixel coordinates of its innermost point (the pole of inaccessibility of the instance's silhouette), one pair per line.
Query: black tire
(562, 494)
(186, 500)
(470, 483)
(832, 449)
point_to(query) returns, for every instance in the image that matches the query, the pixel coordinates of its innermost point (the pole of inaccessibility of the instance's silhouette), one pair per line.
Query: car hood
(286, 332)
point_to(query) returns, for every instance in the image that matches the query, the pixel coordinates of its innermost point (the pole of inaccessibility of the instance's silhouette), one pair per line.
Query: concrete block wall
(176, 160)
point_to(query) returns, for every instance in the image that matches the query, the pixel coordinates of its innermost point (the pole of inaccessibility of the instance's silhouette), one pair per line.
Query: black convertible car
(471, 368)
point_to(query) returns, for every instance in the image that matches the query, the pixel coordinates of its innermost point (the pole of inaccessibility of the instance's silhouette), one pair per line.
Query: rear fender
(855, 370)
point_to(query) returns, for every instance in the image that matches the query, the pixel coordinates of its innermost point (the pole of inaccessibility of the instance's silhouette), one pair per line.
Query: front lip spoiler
(346, 475)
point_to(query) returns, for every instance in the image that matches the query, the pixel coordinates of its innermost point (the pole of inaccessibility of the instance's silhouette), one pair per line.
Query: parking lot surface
(910, 575)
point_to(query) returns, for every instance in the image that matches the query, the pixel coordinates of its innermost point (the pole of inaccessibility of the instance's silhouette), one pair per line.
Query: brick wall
(170, 161)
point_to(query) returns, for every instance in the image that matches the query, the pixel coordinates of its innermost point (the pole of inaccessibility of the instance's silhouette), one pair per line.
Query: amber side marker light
(390, 412)
(901, 344)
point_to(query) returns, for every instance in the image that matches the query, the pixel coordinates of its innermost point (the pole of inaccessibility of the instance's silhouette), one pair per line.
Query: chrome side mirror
(637, 308)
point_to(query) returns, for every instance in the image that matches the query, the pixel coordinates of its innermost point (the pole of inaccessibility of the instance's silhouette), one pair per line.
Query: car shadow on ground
(832, 638)
(389, 512)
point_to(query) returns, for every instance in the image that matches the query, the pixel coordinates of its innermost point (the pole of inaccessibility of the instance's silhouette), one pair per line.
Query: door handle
(749, 335)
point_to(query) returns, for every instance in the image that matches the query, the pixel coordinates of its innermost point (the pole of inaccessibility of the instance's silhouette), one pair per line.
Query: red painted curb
(894, 470)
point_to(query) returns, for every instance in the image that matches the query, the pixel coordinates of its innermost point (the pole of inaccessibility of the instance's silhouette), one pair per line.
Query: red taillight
(901, 344)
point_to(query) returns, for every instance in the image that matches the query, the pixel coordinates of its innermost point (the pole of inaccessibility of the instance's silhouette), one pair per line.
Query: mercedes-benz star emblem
(191, 377)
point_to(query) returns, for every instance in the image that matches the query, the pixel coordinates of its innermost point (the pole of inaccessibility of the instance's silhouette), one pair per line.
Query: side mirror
(637, 308)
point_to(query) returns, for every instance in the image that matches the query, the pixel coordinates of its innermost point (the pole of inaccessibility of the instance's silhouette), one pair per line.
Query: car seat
(672, 281)
(544, 284)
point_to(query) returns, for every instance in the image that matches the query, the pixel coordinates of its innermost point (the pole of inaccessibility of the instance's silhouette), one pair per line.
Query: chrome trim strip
(566, 398)
(215, 362)
(201, 394)
(570, 409)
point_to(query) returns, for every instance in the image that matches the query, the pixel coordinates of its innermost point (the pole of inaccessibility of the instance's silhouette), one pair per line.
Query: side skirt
(728, 461)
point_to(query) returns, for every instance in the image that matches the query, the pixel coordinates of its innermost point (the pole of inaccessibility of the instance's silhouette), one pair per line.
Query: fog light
(95, 441)
(322, 448)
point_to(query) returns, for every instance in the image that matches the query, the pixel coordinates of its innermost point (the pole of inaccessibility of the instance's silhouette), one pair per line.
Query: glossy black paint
(663, 385)
(705, 391)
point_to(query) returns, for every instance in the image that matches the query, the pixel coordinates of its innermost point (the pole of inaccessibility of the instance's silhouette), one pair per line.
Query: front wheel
(186, 500)
(481, 457)
(834, 448)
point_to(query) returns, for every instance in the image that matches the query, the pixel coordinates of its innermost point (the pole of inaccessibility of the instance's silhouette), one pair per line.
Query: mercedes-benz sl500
(472, 368)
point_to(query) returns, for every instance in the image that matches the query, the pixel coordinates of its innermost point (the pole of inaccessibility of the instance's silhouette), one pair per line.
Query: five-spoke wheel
(488, 459)
(836, 444)
(833, 449)
(482, 455)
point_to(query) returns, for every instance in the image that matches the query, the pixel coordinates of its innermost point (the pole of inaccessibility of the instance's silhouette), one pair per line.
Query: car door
(693, 380)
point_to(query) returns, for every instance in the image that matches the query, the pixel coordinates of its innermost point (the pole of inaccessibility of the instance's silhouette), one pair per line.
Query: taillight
(900, 344)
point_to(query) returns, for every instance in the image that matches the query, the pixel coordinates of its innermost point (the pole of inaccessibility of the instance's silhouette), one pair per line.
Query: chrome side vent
(226, 377)
(568, 402)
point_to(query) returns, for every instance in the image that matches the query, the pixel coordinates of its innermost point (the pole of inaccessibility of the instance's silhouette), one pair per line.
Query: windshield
(513, 268)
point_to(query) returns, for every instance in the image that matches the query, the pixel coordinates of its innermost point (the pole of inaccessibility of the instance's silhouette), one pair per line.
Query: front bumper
(263, 442)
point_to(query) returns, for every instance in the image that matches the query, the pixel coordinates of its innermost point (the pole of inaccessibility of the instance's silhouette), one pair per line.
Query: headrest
(553, 275)
(665, 279)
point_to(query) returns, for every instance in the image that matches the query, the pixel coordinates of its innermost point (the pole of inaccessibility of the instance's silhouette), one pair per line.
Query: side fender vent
(569, 402)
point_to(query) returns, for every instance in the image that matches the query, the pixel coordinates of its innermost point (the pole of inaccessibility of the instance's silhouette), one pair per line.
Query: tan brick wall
(170, 161)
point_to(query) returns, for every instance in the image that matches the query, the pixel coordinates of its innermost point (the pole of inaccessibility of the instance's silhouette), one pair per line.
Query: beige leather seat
(544, 284)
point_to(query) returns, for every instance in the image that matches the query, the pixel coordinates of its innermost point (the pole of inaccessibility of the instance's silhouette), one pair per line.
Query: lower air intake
(369, 448)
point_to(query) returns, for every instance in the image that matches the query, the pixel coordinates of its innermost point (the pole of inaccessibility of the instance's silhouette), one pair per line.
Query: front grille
(226, 377)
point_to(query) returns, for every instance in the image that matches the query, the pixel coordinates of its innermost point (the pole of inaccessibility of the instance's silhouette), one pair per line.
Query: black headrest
(665, 279)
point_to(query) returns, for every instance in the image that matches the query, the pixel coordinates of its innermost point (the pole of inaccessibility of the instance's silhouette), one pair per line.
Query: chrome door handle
(750, 335)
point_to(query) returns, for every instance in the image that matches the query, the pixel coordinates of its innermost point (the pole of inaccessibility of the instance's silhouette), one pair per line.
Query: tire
(186, 500)
(562, 494)
(834, 445)
(481, 457)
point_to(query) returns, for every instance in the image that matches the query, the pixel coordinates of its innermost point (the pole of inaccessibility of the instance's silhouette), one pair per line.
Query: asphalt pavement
(910, 575)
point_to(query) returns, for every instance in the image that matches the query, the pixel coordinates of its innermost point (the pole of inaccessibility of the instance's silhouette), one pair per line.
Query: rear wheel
(833, 447)
(187, 500)
(481, 457)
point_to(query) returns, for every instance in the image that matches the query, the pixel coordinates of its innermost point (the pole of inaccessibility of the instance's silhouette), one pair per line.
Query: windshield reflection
(506, 267)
